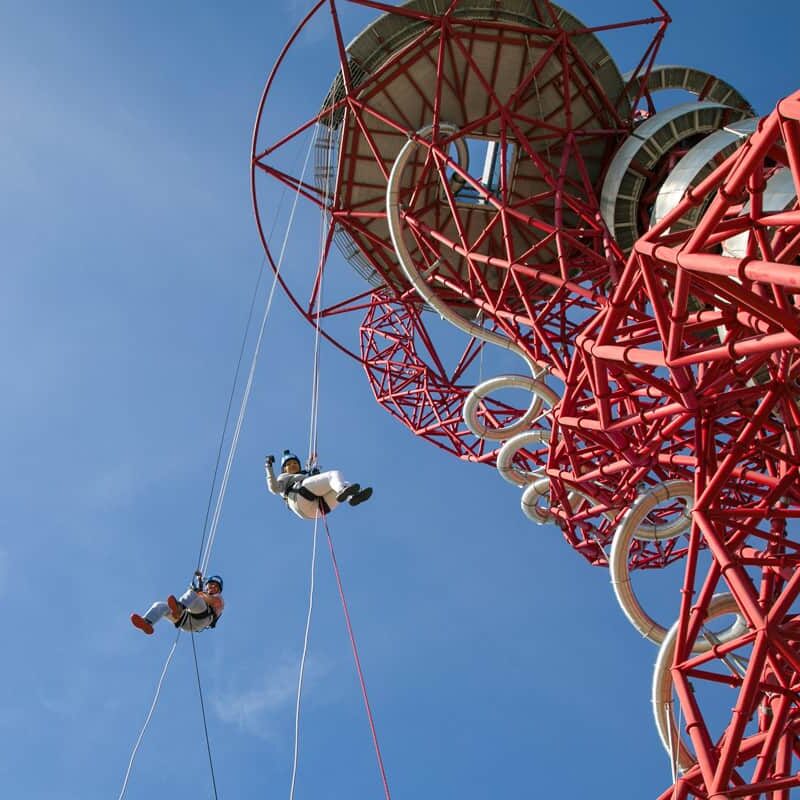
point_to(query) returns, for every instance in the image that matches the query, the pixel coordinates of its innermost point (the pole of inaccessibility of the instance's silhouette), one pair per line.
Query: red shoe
(175, 607)
(142, 624)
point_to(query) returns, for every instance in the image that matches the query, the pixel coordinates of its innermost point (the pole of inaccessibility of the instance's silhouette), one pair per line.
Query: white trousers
(192, 601)
(325, 485)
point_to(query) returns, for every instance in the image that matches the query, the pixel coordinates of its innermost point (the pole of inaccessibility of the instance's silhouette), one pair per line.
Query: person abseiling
(198, 608)
(311, 492)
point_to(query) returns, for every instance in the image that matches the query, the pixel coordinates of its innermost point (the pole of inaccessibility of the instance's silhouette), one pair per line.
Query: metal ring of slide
(530, 501)
(631, 527)
(663, 712)
(541, 394)
(505, 456)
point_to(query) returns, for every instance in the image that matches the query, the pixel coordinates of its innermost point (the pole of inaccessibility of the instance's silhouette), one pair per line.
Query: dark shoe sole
(361, 497)
(349, 491)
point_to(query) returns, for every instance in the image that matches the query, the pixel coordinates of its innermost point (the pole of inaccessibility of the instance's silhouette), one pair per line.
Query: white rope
(675, 754)
(303, 662)
(149, 715)
(311, 461)
(312, 435)
(212, 532)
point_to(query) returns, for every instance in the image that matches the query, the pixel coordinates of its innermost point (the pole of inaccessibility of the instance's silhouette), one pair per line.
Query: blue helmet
(215, 579)
(287, 456)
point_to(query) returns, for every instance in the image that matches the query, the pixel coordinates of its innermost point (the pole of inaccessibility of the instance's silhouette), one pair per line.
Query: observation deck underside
(526, 109)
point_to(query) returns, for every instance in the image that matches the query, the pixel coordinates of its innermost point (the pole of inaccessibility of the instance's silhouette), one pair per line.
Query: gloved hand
(269, 461)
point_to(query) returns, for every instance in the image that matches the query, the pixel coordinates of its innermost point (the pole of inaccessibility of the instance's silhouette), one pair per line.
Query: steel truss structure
(487, 161)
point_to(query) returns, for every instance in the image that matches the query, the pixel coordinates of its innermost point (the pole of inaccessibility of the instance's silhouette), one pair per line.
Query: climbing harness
(209, 612)
(307, 494)
(200, 616)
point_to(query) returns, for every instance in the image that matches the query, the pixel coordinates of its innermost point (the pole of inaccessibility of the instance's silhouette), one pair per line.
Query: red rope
(358, 663)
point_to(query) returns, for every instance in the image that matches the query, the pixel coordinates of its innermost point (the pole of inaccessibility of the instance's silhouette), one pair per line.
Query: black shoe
(348, 492)
(361, 497)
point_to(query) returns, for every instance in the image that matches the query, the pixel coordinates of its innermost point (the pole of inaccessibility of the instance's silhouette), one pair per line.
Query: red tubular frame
(683, 363)
(570, 286)
(735, 374)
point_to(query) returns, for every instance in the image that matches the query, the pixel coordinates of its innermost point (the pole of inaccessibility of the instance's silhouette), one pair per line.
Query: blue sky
(496, 659)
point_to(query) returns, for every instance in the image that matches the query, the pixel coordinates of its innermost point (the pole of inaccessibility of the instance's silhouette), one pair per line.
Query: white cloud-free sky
(496, 659)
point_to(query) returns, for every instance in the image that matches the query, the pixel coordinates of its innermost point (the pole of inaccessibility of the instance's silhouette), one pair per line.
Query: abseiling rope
(212, 532)
(296, 748)
(311, 461)
(323, 237)
(148, 717)
(203, 711)
(236, 375)
(357, 660)
(228, 410)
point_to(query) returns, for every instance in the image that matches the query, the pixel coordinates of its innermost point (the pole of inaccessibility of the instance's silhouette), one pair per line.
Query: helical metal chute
(517, 433)
(779, 194)
(696, 165)
(678, 359)
(406, 262)
(634, 525)
(535, 501)
(663, 710)
(536, 491)
(536, 483)
(505, 456)
(637, 514)
(665, 77)
(541, 393)
(712, 129)
(539, 490)
(626, 179)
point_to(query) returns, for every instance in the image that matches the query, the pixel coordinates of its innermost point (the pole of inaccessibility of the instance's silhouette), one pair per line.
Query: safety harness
(200, 616)
(197, 585)
(295, 486)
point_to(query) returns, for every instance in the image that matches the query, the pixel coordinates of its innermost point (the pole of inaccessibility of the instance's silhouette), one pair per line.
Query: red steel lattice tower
(487, 161)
